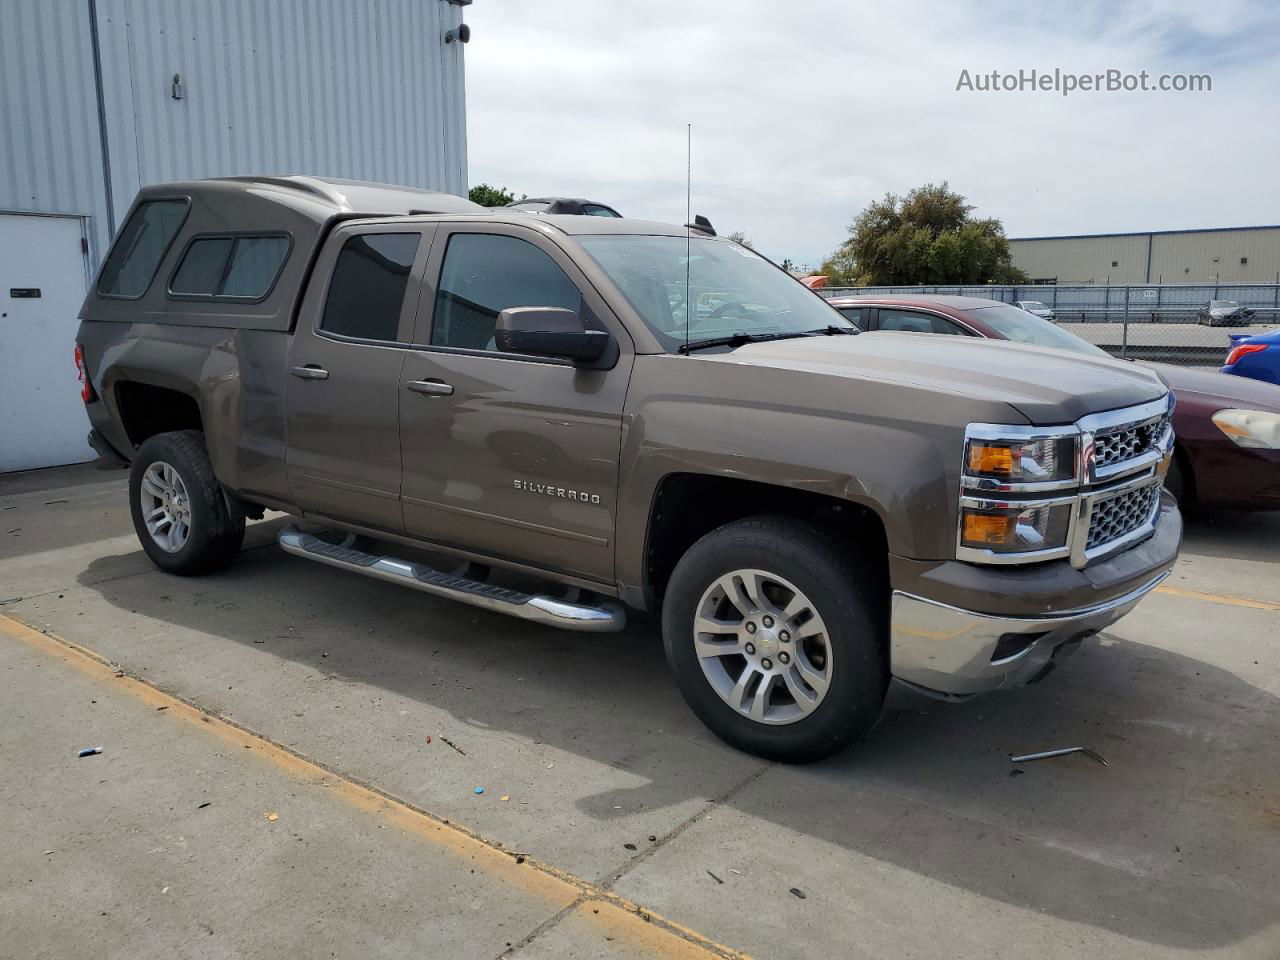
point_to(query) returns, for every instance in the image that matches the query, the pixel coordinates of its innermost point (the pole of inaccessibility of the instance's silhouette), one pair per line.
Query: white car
(1037, 308)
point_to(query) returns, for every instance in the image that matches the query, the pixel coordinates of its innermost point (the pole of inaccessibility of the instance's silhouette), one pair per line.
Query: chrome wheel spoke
(738, 695)
(805, 698)
(714, 625)
(815, 678)
(810, 628)
(760, 701)
(707, 647)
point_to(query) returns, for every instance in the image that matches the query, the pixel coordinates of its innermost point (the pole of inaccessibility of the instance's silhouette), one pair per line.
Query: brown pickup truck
(633, 415)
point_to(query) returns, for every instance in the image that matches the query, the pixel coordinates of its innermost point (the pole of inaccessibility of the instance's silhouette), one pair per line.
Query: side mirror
(548, 332)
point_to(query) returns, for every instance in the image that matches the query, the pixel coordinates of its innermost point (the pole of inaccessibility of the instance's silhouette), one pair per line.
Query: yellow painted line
(1220, 598)
(561, 889)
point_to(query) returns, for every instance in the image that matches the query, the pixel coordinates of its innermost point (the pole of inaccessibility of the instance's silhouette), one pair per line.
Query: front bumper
(948, 649)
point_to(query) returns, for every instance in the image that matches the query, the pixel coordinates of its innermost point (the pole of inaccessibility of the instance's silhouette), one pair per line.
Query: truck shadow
(1174, 844)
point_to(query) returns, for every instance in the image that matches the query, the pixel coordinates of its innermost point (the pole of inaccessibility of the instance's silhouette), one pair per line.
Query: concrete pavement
(922, 841)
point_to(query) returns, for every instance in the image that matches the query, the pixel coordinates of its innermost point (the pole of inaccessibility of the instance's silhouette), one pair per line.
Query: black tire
(845, 592)
(216, 521)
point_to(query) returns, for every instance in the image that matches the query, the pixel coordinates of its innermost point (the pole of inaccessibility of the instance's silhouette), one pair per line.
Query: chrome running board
(603, 616)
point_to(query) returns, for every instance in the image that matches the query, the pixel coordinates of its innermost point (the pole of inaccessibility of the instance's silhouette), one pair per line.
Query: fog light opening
(1012, 645)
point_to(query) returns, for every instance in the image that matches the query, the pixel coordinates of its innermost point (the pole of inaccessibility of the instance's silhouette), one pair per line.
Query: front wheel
(777, 639)
(184, 521)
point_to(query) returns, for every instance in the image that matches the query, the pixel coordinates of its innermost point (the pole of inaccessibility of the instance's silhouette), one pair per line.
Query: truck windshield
(1022, 327)
(732, 290)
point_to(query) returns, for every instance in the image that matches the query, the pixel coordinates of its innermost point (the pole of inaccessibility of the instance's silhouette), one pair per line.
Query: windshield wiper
(831, 330)
(737, 340)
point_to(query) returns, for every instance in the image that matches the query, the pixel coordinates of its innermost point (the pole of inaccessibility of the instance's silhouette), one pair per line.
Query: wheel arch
(687, 505)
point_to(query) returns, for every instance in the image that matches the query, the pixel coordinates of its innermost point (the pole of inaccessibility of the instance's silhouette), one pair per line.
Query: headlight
(1045, 460)
(1250, 428)
(1015, 528)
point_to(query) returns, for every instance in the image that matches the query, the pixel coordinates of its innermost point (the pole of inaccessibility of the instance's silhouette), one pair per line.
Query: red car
(1227, 428)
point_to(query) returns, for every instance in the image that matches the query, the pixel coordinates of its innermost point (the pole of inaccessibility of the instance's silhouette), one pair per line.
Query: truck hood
(1047, 386)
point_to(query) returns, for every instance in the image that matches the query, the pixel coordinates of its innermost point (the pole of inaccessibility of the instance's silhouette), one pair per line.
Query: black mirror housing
(548, 332)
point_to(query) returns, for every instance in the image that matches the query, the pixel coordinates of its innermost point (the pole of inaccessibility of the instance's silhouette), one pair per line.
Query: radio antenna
(688, 232)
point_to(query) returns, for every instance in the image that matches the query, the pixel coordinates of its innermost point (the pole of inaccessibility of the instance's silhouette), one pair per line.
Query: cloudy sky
(805, 110)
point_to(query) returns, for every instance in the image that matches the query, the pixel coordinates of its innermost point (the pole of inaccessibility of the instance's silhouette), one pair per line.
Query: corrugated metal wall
(1192, 256)
(50, 144)
(340, 88)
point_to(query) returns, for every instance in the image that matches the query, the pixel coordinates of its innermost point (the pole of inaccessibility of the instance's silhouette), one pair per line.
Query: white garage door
(42, 284)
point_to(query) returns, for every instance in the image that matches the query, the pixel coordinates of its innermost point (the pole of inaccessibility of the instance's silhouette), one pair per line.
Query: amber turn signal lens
(985, 458)
(988, 528)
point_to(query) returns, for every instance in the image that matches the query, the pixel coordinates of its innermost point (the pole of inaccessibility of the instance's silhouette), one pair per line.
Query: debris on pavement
(1045, 755)
(49, 503)
(504, 798)
(272, 816)
(797, 892)
(89, 752)
(714, 877)
(478, 791)
(428, 738)
(452, 744)
(628, 846)
(1016, 773)
(205, 804)
(735, 872)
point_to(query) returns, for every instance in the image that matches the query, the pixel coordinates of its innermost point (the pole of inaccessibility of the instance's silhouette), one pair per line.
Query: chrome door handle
(432, 388)
(310, 373)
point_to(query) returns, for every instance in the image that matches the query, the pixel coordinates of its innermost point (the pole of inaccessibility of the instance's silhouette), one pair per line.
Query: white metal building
(98, 97)
(1223, 255)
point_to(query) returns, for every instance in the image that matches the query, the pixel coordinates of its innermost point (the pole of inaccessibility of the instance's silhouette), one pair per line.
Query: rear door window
(140, 247)
(909, 321)
(366, 293)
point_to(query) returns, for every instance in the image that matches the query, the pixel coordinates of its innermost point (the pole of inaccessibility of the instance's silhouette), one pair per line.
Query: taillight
(1243, 350)
(82, 374)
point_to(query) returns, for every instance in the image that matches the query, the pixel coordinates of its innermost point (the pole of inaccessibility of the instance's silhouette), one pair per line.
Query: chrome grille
(1132, 440)
(1117, 516)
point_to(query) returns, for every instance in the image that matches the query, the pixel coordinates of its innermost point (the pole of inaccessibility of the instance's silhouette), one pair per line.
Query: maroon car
(1228, 428)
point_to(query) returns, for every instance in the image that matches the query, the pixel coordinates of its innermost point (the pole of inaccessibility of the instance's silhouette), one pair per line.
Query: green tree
(488, 196)
(739, 237)
(928, 236)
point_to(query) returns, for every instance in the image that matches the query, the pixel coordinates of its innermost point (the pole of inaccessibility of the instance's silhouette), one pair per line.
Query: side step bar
(605, 616)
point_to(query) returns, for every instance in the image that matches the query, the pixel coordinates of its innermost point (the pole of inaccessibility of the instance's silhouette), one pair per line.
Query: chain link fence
(1169, 323)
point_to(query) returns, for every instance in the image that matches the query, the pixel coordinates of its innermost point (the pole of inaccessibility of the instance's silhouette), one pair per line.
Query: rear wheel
(184, 521)
(776, 638)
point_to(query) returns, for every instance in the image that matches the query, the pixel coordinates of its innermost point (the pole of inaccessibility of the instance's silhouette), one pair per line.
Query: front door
(510, 456)
(343, 376)
(42, 282)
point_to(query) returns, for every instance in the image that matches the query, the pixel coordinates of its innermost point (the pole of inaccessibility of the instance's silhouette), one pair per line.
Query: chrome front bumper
(957, 653)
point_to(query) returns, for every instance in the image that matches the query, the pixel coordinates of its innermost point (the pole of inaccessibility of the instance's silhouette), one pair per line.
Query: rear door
(343, 378)
(510, 456)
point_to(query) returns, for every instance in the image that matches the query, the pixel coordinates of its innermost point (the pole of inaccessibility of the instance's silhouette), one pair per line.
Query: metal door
(42, 284)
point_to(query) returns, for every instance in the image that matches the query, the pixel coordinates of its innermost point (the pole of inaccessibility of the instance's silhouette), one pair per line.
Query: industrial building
(99, 97)
(1225, 255)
